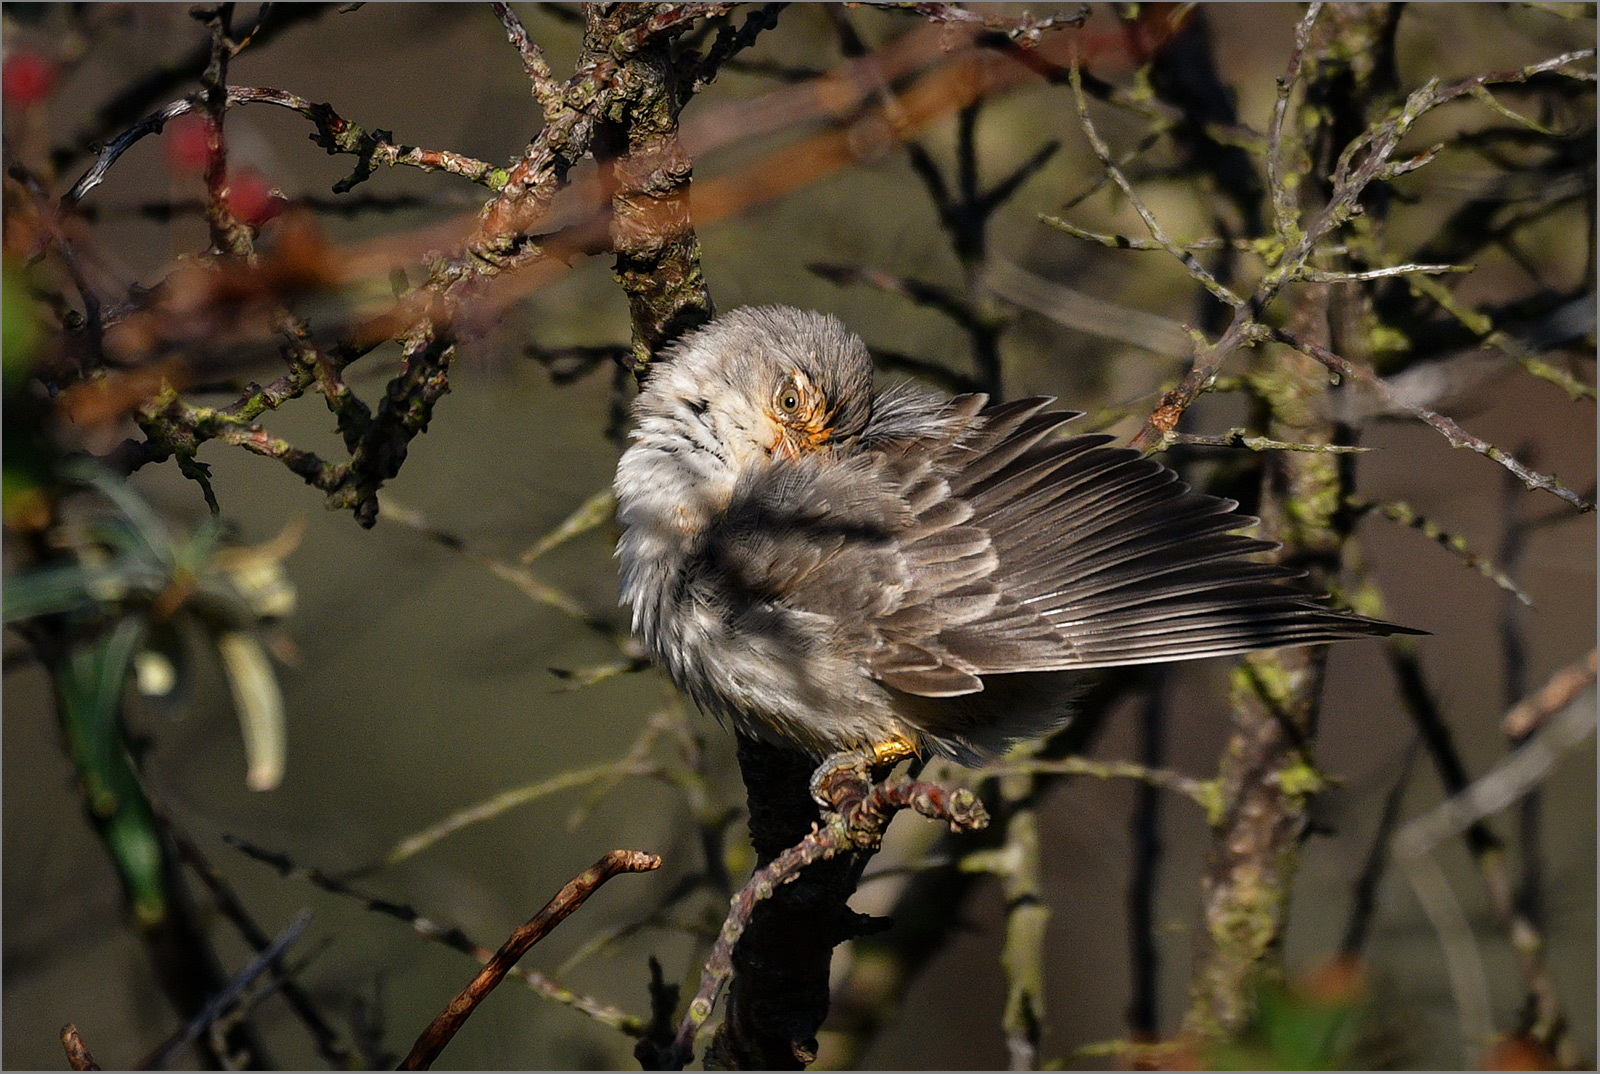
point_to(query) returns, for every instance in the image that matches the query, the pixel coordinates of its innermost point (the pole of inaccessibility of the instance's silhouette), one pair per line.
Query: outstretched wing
(1028, 553)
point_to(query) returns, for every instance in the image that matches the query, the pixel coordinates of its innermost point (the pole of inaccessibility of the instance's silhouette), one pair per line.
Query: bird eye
(789, 399)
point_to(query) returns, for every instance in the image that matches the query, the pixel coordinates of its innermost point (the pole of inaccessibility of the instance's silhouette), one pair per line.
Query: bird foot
(846, 776)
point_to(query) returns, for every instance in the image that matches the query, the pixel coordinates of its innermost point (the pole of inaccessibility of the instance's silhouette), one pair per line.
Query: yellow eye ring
(789, 400)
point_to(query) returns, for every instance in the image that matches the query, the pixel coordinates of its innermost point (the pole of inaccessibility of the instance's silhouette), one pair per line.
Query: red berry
(27, 78)
(187, 141)
(250, 199)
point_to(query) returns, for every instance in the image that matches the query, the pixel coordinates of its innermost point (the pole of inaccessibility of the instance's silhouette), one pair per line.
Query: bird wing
(1027, 552)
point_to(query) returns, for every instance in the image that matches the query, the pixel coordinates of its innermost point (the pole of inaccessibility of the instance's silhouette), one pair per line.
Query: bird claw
(846, 776)
(841, 778)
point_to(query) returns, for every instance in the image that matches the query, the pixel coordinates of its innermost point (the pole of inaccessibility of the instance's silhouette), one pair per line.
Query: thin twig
(229, 234)
(1187, 259)
(1403, 513)
(450, 936)
(546, 90)
(1457, 436)
(415, 844)
(730, 42)
(920, 292)
(1314, 275)
(232, 908)
(1239, 437)
(1129, 242)
(1284, 210)
(1025, 29)
(1202, 792)
(229, 996)
(569, 898)
(335, 134)
(1364, 891)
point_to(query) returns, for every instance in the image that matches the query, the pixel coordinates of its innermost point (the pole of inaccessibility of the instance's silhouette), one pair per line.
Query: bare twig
(569, 898)
(1457, 436)
(228, 997)
(1239, 437)
(1285, 212)
(730, 42)
(1403, 513)
(546, 90)
(230, 906)
(229, 234)
(450, 936)
(334, 133)
(1202, 792)
(1364, 891)
(1497, 789)
(1157, 232)
(1128, 242)
(1024, 29)
(919, 292)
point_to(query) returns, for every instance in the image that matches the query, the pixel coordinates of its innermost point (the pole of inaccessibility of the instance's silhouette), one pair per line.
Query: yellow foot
(892, 751)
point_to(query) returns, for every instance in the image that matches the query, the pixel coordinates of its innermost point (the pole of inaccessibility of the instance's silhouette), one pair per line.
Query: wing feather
(1033, 553)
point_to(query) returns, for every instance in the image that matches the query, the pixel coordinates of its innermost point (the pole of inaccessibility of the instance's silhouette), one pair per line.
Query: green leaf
(89, 686)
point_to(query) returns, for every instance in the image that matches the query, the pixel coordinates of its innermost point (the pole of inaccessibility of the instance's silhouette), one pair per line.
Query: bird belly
(777, 675)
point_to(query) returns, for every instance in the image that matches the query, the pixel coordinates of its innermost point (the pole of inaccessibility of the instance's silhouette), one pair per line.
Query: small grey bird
(906, 573)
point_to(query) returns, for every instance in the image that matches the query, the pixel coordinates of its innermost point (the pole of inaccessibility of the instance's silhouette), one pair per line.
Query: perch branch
(858, 825)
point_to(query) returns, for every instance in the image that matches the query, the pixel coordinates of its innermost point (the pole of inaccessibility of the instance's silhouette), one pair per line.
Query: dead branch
(450, 936)
(569, 898)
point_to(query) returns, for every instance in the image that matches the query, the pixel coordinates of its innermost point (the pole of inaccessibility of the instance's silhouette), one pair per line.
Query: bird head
(763, 383)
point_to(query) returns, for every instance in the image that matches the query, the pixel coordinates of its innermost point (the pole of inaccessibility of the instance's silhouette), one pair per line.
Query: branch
(219, 1005)
(1284, 211)
(1024, 29)
(229, 235)
(731, 42)
(569, 898)
(546, 90)
(1203, 793)
(1404, 514)
(1187, 259)
(1238, 437)
(1455, 434)
(334, 133)
(858, 826)
(450, 936)
(919, 292)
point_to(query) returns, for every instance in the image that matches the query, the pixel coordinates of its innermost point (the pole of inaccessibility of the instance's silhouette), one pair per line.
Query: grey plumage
(833, 569)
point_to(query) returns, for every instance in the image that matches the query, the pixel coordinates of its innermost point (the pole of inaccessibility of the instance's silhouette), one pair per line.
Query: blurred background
(415, 671)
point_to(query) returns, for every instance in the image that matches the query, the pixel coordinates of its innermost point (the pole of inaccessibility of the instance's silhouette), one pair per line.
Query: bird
(893, 574)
